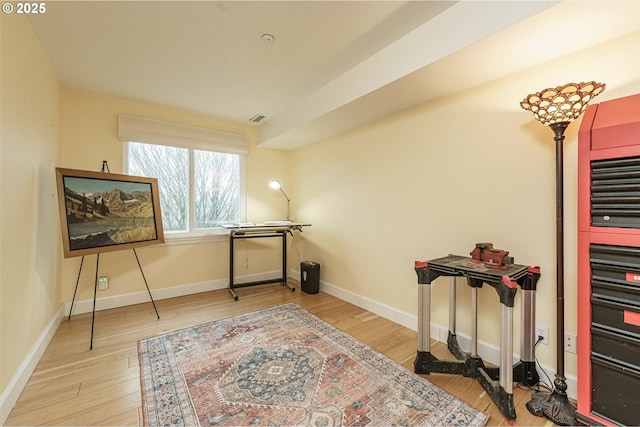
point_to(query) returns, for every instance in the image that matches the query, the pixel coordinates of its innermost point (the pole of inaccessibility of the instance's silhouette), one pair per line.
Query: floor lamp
(557, 108)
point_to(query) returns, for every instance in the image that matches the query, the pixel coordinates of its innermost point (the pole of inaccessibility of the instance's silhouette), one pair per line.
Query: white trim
(184, 238)
(141, 297)
(19, 381)
(141, 129)
(403, 318)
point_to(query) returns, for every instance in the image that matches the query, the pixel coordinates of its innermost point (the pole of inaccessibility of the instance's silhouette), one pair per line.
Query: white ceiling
(332, 66)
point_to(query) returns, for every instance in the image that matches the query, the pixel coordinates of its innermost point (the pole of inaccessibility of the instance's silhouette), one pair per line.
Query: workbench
(255, 231)
(505, 280)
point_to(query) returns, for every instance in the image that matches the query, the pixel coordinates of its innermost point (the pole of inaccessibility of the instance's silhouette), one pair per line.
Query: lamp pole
(555, 405)
(557, 108)
(288, 202)
(275, 184)
(558, 130)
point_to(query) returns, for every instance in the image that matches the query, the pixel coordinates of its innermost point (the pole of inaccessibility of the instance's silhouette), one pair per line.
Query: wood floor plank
(130, 417)
(73, 385)
(34, 399)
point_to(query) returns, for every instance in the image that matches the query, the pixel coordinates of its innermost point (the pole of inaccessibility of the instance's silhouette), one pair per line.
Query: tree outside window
(199, 189)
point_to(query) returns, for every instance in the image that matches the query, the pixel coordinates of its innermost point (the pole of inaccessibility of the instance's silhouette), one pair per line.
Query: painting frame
(105, 212)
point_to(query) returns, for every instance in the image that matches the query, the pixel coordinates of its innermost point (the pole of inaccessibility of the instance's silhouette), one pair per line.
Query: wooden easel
(105, 166)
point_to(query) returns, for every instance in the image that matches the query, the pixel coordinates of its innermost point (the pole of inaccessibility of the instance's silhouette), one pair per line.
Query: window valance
(141, 129)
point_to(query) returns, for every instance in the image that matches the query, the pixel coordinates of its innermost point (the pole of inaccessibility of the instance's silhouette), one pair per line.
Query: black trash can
(310, 277)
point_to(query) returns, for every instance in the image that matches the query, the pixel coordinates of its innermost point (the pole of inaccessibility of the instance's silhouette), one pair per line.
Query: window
(200, 172)
(200, 190)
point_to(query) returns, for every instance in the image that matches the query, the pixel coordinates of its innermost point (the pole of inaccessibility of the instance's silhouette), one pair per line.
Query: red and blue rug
(282, 367)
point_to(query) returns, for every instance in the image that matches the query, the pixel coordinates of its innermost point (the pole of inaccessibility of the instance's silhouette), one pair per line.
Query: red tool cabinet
(609, 263)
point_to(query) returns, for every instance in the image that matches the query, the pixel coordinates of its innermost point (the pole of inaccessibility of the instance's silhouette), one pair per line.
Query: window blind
(151, 131)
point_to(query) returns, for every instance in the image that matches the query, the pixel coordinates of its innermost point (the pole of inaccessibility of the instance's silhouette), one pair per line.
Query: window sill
(171, 239)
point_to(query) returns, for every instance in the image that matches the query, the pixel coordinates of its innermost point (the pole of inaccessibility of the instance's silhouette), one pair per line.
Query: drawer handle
(632, 318)
(633, 277)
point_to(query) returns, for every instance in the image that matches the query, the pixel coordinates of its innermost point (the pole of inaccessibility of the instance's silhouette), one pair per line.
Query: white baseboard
(105, 303)
(488, 352)
(19, 381)
(403, 318)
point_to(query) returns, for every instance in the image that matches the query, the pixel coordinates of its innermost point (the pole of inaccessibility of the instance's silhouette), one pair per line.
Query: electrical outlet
(103, 283)
(570, 343)
(542, 331)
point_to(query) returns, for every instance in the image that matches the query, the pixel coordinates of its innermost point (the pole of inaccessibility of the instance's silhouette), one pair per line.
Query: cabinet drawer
(612, 345)
(615, 315)
(629, 294)
(615, 273)
(615, 392)
(612, 256)
(615, 193)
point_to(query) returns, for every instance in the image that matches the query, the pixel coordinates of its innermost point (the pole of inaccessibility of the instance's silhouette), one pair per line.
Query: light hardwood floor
(73, 385)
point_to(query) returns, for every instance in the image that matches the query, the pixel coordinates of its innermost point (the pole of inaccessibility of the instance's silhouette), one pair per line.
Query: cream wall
(29, 231)
(437, 178)
(90, 135)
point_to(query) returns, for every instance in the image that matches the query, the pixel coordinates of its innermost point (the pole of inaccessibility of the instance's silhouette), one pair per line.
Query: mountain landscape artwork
(104, 212)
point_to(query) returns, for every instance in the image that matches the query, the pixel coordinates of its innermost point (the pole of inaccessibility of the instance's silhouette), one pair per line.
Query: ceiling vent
(257, 118)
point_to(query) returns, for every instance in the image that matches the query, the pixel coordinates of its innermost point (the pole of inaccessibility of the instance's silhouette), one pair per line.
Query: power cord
(548, 386)
(536, 387)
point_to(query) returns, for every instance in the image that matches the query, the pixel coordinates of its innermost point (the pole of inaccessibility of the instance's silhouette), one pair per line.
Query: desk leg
(474, 322)
(233, 293)
(504, 393)
(285, 282)
(422, 363)
(526, 370)
(452, 305)
(452, 340)
(424, 318)
(506, 349)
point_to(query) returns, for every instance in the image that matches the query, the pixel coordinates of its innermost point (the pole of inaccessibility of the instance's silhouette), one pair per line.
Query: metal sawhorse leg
(470, 364)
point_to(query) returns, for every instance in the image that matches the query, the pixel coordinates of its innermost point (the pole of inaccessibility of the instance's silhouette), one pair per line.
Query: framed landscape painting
(102, 212)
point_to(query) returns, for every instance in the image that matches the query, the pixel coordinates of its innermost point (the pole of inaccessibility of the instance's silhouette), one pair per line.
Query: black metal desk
(505, 281)
(256, 231)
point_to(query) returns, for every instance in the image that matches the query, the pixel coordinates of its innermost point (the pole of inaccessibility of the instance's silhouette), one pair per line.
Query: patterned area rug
(283, 366)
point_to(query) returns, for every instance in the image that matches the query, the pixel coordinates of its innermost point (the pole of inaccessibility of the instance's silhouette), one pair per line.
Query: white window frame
(143, 130)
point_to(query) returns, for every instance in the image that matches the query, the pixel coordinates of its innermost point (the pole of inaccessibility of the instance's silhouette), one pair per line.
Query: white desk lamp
(275, 184)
